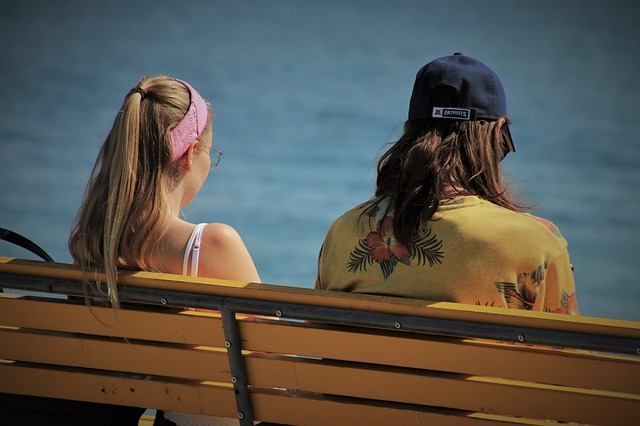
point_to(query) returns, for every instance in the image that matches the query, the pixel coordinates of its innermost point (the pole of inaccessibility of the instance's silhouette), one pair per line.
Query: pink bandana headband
(191, 126)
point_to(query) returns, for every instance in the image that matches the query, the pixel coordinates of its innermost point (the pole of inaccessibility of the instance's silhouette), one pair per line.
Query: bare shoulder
(221, 233)
(224, 254)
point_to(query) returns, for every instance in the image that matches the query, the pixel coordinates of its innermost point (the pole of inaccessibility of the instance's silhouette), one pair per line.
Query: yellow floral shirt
(472, 251)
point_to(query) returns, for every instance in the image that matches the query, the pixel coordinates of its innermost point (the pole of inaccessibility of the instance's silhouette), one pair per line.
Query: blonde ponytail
(123, 213)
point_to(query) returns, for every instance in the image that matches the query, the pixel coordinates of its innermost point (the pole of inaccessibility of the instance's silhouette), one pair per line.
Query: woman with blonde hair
(154, 161)
(443, 224)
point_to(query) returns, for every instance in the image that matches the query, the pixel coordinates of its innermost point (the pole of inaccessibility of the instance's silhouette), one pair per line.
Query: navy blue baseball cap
(478, 92)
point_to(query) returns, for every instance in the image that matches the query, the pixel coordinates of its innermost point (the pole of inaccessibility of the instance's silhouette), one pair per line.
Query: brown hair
(125, 204)
(434, 161)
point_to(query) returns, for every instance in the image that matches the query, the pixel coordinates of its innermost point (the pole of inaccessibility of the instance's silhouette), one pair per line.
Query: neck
(453, 190)
(178, 194)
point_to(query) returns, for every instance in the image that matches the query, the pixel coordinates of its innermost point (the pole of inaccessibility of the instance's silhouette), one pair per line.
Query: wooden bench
(306, 357)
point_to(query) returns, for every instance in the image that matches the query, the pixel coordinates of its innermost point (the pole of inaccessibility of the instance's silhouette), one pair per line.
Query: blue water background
(307, 95)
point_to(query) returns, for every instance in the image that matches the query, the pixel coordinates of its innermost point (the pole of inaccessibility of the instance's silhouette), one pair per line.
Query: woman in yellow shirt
(443, 224)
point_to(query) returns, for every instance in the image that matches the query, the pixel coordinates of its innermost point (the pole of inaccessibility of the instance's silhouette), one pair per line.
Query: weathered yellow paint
(473, 357)
(124, 389)
(66, 349)
(267, 292)
(447, 390)
(192, 327)
(307, 373)
(336, 411)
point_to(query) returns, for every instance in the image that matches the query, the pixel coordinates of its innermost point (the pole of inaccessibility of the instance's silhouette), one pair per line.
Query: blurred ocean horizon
(308, 94)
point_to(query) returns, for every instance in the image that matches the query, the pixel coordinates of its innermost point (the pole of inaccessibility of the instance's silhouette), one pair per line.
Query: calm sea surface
(307, 95)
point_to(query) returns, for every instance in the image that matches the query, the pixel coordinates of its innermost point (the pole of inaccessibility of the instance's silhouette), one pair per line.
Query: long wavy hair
(125, 207)
(436, 160)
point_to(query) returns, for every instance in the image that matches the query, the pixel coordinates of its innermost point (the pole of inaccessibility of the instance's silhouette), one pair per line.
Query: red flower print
(382, 247)
(383, 244)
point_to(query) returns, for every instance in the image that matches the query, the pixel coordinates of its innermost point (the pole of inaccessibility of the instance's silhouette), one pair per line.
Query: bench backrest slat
(121, 389)
(471, 393)
(465, 356)
(65, 349)
(153, 324)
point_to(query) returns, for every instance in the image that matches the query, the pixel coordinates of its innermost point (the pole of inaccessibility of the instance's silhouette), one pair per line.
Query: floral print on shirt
(568, 305)
(381, 247)
(523, 293)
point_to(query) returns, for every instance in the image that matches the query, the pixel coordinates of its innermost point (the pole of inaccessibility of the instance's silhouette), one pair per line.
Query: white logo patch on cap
(465, 114)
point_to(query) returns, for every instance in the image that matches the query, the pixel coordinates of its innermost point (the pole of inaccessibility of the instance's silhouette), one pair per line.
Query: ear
(497, 130)
(188, 159)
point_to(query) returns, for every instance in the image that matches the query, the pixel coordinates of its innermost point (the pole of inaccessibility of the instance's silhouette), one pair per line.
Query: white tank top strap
(193, 251)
